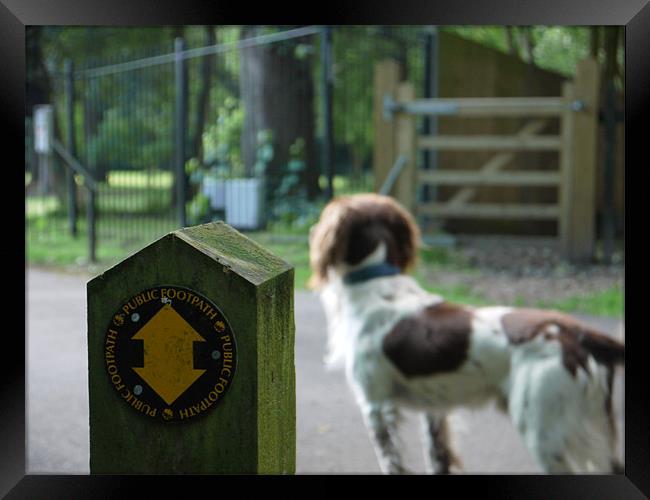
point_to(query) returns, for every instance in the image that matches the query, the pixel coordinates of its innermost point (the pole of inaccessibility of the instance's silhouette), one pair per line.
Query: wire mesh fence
(241, 128)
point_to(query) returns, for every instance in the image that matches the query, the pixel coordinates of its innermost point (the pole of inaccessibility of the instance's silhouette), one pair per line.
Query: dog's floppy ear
(327, 241)
(351, 227)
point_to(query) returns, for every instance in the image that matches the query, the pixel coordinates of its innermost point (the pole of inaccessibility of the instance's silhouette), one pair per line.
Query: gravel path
(522, 272)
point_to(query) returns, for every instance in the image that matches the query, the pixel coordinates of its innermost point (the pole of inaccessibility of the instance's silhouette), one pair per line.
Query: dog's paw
(398, 469)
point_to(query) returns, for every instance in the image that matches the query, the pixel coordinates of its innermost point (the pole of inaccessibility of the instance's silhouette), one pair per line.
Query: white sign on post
(43, 124)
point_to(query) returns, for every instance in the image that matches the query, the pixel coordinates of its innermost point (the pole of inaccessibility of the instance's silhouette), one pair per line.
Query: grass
(41, 206)
(63, 251)
(345, 185)
(73, 252)
(294, 250)
(59, 250)
(609, 302)
(140, 179)
(458, 293)
(123, 192)
(145, 192)
(49, 242)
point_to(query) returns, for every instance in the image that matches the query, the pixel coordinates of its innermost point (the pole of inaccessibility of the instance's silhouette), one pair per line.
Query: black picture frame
(15, 15)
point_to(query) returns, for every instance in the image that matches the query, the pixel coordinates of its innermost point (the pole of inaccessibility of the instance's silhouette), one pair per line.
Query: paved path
(331, 437)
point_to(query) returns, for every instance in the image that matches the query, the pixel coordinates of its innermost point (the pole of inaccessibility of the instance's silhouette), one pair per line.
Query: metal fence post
(180, 128)
(430, 123)
(92, 233)
(327, 157)
(70, 145)
(93, 190)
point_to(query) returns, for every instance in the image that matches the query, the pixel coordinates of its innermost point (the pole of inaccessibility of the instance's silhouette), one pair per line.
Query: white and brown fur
(404, 347)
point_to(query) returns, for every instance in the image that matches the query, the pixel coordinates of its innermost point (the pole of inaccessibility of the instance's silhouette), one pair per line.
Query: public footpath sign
(179, 344)
(190, 357)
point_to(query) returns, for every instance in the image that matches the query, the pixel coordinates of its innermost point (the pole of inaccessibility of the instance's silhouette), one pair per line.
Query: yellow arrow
(168, 354)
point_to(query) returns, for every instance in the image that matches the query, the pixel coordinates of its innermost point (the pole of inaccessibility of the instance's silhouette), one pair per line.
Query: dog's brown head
(351, 227)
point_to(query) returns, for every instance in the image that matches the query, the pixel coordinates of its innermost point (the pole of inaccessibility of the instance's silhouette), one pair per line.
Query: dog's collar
(371, 272)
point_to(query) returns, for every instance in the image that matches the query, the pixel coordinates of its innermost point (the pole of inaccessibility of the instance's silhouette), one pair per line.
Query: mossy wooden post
(250, 428)
(580, 231)
(566, 164)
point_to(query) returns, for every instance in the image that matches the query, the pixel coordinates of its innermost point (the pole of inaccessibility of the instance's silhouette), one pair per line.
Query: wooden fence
(396, 137)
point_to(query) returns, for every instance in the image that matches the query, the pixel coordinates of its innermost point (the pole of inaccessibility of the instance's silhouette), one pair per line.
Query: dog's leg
(561, 416)
(381, 421)
(439, 453)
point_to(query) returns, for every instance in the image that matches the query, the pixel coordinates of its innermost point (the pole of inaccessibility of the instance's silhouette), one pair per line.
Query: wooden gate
(397, 144)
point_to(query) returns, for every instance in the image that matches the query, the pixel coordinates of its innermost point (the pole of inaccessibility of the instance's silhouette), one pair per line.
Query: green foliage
(221, 139)
(265, 152)
(490, 36)
(291, 205)
(133, 127)
(143, 121)
(560, 48)
(303, 50)
(198, 209)
(140, 141)
(555, 48)
(356, 50)
(87, 45)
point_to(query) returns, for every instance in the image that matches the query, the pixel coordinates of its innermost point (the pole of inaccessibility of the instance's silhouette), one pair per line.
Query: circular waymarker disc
(170, 354)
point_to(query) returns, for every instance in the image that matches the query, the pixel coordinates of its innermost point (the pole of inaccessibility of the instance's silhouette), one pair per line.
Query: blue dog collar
(371, 272)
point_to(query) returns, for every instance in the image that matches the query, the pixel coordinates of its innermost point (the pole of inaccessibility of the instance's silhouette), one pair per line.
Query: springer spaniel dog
(404, 347)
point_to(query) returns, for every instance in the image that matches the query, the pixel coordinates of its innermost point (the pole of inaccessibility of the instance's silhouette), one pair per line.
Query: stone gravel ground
(521, 272)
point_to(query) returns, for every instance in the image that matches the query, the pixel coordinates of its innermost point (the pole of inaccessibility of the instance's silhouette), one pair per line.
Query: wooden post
(190, 358)
(327, 90)
(581, 194)
(386, 78)
(406, 134)
(566, 160)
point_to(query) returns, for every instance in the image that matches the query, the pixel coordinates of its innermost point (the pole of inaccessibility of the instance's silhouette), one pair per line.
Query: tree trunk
(594, 41)
(527, 37)
(93, 111)
(38, 87)
(203, 98)
(528, 46)
(39, 91)
(611, 47)
(277, 94)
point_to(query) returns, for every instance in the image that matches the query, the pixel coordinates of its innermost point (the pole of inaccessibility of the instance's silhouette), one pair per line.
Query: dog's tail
(610, 353)
(603, 348)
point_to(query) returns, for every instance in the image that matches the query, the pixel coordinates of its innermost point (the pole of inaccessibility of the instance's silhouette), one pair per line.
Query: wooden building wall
(468, 69)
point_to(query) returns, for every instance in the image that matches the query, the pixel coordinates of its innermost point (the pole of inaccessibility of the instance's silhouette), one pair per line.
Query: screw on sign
(170, 354)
